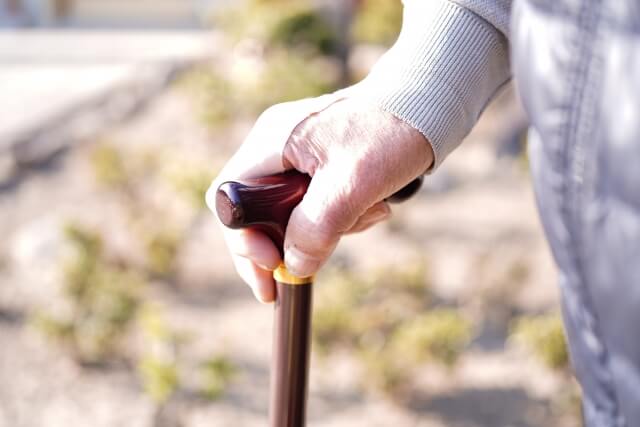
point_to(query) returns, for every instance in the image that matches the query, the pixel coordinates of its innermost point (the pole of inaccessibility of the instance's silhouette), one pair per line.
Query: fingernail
(300, 264)
(265, 267)
(261, 298)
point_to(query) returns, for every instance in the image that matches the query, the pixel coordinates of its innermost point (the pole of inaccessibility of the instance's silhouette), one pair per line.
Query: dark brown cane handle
(266, 203)
(263, 203)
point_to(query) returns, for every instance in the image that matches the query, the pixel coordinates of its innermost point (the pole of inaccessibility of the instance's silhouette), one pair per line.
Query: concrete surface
(58, 86)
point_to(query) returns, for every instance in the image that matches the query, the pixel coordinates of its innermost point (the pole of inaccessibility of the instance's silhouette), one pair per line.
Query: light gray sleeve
(496, 12)
(450, 59)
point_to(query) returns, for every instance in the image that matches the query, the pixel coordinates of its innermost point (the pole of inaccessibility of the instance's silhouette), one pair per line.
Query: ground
(477, 206)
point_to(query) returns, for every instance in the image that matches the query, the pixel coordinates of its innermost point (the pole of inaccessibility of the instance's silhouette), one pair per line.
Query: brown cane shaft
(291, 351)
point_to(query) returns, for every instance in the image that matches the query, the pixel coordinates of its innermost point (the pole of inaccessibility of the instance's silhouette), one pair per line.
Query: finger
(375, 214)
(260, 281)
(253, 245)
(317, 223)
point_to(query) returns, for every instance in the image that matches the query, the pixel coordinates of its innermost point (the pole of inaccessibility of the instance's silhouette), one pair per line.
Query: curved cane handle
(262, 203)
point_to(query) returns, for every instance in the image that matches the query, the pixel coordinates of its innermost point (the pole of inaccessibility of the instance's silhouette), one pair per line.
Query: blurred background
(118, 302)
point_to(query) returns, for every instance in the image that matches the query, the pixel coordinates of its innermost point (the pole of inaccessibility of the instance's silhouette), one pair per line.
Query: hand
(357, 155)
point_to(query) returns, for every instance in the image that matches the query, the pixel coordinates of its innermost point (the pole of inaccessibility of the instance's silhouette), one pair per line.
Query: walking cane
(265, 204)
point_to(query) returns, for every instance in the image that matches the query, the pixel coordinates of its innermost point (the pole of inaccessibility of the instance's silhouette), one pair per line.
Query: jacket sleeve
(449, 61)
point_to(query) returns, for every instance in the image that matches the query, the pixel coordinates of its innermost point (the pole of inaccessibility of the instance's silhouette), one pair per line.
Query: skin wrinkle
(298, 157)
(300, 151)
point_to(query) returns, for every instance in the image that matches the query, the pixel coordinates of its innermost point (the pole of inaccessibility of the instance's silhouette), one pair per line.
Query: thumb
(327, 211)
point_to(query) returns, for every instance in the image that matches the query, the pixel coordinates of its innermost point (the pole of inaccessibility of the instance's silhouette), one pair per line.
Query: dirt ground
(476, 205)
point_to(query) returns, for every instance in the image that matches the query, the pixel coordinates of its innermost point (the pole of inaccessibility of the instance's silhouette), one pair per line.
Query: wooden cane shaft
(291, 351)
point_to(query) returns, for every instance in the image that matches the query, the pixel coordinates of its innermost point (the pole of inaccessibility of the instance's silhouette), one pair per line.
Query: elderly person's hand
(357, 155)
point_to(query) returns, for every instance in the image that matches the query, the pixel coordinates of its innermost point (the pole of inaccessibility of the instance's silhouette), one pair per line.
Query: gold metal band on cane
(282, 275)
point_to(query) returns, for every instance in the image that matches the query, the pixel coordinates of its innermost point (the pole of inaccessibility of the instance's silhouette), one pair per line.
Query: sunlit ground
(118, 301)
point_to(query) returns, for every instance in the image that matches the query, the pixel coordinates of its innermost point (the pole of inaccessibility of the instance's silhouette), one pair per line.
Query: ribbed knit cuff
(447, 64)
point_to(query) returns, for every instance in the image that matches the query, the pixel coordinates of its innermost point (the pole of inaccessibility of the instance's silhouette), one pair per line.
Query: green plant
(160, 378)
(282, 76)
(161, 362)
(385, 371)
(304, 28)
(155, 328)
(162, 248)
(192, 182)
(217, 373)
(108, 165)
(124, 171)
(289, 76)
(158, 366)
(332, 325)
(334, 322)
(283, 54)
(410, 279)
(56, 328)
(378, 21)
(439, 335)
(254, 19)
(213, 95)
(103, 298)
(381, 318)
(544, 336)
(290, 24)
(351, 305)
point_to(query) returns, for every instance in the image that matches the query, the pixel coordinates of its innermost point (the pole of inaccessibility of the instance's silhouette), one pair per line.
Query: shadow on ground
(487, 407)
(12, 317)
(48, 165)
(209, 293)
